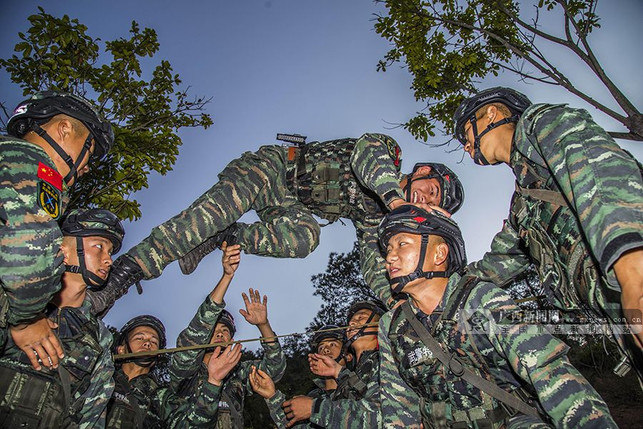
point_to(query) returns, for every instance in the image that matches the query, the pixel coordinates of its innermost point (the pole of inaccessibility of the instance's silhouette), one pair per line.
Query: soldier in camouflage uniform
(221, 367)
(456, 354)
(355, 401)
(76, 394)
(577, 212)
(53, 137)
(352, 178)
(328, 341)
(141, 398)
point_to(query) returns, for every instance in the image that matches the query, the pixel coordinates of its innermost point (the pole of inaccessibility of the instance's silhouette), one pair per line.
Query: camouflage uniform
(573, 241)
(350, 178)
(33, 197)
(277, 413)
(142, 403)
(415, 386)
(77, 393)
(188, 374)
(353, 404)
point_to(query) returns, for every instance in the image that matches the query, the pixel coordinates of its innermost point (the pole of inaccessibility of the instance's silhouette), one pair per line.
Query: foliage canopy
(146, 111)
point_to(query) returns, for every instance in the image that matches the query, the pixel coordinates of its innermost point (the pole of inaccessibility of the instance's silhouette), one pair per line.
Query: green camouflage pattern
(574, 246)
(86, 342)
(355, 403)
(188, 374)
(416, 387)
(257, 181)
(30, 239)
(277, 413)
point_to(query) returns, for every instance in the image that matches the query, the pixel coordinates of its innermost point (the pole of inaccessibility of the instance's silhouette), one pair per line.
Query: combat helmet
(226, 318)
(81, 223)
(143, 320)
(414, 220)
(451, 189)
(30, 114)
(514, 100)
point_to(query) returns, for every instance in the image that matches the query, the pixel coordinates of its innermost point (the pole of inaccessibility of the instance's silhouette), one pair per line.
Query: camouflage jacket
(356, 179)
(485, 336)
(188, 374)
(350, 178)
(86, 370)
(573, 242)
(355, 403)
(142, 403)
(277, 413)
(33, 196)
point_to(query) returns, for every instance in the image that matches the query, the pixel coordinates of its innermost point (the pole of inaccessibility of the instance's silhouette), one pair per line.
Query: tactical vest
(354, 386)
(128, 407)
(38, 398)
(446, 400)
(320, 174)
(549, 227)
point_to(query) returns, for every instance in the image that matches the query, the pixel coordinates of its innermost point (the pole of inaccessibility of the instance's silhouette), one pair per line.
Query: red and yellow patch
(50, 176)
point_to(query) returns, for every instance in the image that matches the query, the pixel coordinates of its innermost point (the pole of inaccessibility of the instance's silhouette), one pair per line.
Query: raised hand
(297, 409)
(231, 258)
(323, 365)
(262, 383)
(221, 363)
(256, 312)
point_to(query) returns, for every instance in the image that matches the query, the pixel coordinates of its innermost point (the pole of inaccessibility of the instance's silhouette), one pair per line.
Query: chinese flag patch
(50, 176)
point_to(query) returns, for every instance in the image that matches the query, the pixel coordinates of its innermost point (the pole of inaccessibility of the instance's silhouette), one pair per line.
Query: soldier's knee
(309, 240)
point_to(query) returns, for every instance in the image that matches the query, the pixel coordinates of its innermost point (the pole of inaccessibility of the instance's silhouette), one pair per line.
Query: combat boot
(190, 261)
(123, 274)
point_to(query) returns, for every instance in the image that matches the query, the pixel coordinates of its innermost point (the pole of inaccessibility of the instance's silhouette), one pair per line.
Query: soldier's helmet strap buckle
(455, 365)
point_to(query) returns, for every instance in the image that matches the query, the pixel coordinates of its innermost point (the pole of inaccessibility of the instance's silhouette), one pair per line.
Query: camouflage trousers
(255, 181)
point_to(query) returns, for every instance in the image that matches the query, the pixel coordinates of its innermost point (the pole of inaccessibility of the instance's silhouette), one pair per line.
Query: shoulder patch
(50, 176)
(49, 199)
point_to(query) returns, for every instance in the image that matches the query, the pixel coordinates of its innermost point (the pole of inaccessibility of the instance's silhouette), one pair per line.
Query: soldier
(577, 209)
(54, 136)
(328, 341)
(355, 401)
(222, 366)
(456, 354)
(141, 399)
(352, 178)
(76, 394)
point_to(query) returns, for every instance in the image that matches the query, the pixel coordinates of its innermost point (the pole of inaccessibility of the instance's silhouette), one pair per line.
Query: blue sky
(298, 66)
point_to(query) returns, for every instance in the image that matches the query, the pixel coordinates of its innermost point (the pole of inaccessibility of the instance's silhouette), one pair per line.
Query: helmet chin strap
(92, 281)
(398, 283)
(73, 167)
(478, 157)
(361, 333)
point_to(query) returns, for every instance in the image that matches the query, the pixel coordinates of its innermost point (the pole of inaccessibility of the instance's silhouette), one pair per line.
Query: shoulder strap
(553, 197)
(236, 416)
(459, 297)
(453, 364)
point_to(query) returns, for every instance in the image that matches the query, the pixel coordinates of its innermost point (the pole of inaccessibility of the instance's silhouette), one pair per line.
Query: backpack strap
(455, 365)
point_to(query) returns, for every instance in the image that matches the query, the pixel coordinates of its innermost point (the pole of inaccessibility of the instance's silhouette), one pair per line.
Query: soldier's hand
(297, 409)
(323, 365)
(231, 258)
(256, 312)
(629, 273)
(221, 363)
(39, 343)
(262, 383)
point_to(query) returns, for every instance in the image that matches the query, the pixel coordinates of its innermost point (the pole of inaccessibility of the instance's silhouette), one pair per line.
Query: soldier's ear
(441, 254)
(424, 170)
(68, 247)
(120, 350)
